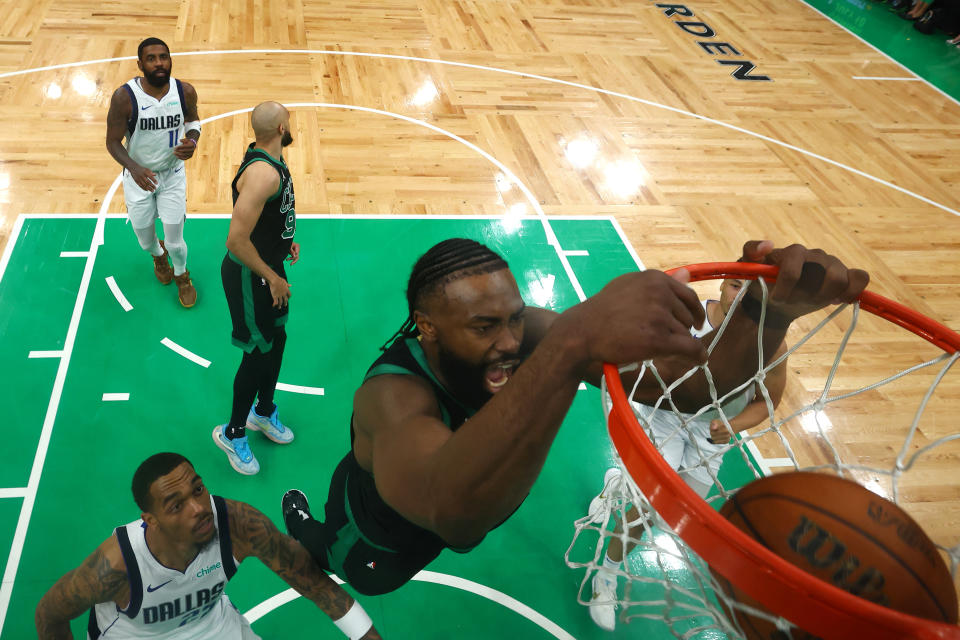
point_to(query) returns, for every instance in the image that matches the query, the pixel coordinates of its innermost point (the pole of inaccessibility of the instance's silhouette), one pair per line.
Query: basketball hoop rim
(812, 604)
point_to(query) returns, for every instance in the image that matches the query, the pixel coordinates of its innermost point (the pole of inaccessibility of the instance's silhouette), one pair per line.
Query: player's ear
(149, 518)
(425, 326)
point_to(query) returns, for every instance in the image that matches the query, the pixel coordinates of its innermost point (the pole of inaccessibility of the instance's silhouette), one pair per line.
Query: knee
(175, 247)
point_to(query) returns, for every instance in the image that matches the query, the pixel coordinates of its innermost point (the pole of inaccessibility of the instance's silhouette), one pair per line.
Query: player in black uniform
(260, 239)
(453, 423)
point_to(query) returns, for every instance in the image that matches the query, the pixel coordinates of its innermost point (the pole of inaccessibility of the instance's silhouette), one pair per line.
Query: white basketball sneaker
(603, 602)
(598, 509)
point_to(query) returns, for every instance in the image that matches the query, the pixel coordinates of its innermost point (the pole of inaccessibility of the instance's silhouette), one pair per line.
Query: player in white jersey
(163, 576)
(158, 116)
(685, 442)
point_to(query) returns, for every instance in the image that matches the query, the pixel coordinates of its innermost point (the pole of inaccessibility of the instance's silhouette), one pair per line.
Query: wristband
(773, 320)
(355, 623)
(191, 140)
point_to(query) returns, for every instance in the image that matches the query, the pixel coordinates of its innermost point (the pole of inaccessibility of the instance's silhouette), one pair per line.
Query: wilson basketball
(845, 535)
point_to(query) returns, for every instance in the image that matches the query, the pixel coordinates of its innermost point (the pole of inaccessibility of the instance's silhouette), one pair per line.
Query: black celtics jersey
(273, 233)
(378, 521)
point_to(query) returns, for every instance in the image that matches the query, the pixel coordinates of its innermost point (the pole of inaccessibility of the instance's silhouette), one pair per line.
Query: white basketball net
(664, 584)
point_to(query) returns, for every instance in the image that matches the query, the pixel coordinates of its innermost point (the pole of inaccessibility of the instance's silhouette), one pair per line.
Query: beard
(156, 79)
(463, 379)
(286, 140)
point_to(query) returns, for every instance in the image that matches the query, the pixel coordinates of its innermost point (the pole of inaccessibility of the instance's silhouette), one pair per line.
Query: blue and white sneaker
(237, 450)
(271, 427)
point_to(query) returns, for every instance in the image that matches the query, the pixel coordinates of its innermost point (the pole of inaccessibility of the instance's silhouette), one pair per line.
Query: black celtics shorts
(255, 319)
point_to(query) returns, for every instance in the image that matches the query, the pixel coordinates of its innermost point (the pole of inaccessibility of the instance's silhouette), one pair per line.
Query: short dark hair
(444, 262)
(149, 42)
(159, 464)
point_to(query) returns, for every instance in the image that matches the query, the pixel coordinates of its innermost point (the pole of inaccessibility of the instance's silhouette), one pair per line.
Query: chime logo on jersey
(193, 605)
(159, 122)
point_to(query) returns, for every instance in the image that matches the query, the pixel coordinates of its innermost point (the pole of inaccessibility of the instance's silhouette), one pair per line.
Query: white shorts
(168, 202)
(688, 449)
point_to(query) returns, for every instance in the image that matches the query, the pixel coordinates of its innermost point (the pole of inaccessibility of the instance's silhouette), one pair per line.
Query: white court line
(45, 354)
(762, 462)
(887, 56)
(74, 254)
(115, 397)
(444, 579)
(626, 243)
(779, 462)
(534, 203)
(898, 79)
(295, 388)
(12, 240)
(189, 355)
(18, 492)
(327, 216)
(534, 76)
(30, 495)
(577, 252)
(115, 290)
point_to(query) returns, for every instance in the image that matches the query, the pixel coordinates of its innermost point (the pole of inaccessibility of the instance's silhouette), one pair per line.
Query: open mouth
(498, 374)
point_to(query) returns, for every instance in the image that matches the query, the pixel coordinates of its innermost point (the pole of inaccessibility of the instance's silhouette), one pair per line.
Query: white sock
(612, 566)
(173, 234)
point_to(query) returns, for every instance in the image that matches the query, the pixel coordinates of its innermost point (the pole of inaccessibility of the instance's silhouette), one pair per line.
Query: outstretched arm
(101, 578)
(461, 484)
(254, 534)
(809, 279)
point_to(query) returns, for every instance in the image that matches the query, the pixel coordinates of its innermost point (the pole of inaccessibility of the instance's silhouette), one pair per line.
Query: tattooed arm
(101, 578)
(254, 534)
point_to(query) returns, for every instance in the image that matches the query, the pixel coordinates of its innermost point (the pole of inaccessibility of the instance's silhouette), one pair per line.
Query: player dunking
(692, 445)
(163, 576)
(454, 421)
(260, 239)
(158, 115)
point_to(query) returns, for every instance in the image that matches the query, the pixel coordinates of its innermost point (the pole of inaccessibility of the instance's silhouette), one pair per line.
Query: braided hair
(444, 262)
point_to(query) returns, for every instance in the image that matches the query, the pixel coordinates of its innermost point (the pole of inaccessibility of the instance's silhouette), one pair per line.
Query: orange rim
(810, 603)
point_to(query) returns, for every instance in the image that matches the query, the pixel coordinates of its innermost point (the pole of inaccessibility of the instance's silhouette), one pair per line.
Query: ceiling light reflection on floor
(581, 151)
(426, 94)
(83, 85)
(511, 220)
(815, 422)
(625, 178)
(541, 290)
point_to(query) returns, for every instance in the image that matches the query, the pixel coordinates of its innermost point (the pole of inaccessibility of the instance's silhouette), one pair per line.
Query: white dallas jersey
(155, 126)
(165, 603)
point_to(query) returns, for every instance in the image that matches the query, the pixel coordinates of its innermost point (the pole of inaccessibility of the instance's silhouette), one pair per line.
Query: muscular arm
(254, 534)
(117, 117)
(756, 412)
(190, 112)
(188, 144)
(258, 182)
(461, 484)
(101, 578)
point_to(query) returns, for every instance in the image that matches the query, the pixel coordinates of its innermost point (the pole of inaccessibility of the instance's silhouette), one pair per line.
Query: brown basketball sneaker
(188, 295)
(161, 266)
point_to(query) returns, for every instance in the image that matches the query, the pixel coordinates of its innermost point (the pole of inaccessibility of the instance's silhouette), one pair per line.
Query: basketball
(845, 535)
